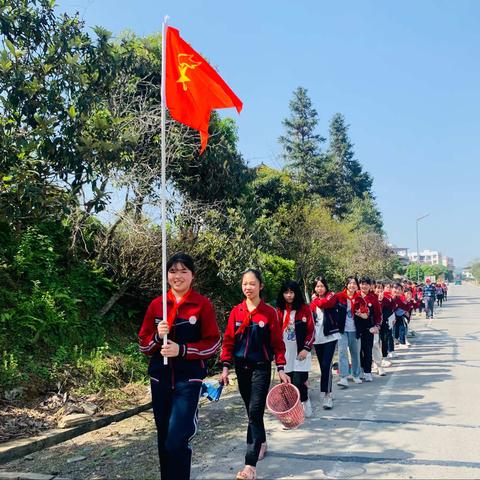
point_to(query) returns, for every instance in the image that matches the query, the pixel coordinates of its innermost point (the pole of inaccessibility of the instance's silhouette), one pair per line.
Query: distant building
(429, 257)
(467, 273)
(402, 252)
(448, 262)
(432, 257)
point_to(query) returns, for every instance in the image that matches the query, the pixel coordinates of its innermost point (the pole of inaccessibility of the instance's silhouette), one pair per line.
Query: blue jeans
(400, 330)
(176, 416)
(349, 341)
(429, 303)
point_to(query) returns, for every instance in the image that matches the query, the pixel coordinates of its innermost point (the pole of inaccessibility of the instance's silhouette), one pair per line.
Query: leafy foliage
(80, 122)
(440, 272)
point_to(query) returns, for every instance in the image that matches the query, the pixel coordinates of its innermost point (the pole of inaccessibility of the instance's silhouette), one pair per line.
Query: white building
(467, 273)
(430, 257)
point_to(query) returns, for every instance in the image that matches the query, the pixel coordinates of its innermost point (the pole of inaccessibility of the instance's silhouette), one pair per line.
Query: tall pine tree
(301, 145)
(344, 179)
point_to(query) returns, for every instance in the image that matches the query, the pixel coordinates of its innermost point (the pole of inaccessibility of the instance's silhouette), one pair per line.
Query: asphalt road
(422, 420)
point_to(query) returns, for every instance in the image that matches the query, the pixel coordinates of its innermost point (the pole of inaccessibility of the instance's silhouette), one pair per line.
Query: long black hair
(298, 301)
(323, 280)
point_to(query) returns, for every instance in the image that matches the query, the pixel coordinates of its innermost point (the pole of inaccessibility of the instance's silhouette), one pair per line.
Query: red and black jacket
(304, 330)
(387, 309)
(409, 306)
(260, 342)
(374, 319)
(342, 299)
(196, 331)
(333, 313)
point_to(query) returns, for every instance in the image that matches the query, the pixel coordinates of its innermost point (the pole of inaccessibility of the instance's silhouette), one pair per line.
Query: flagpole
(163, 194)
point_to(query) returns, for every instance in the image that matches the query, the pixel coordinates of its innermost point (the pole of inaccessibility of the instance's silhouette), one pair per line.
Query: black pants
(325, 353)
(253, 383)
(176, 417)
(384, 340)
(439, 300)
(299, 379)
(366, 346)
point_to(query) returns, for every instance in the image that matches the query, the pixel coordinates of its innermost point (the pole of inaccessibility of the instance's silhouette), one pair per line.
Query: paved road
(420, 421)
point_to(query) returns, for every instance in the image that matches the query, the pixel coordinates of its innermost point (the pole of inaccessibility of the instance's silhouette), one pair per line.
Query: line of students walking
(363, 319)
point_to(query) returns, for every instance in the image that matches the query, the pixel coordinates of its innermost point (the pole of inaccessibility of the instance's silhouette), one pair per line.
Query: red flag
(192, 87)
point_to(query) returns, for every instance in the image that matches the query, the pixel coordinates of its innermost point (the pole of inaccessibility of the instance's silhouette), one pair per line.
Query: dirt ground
(26, 419)
(128, 449)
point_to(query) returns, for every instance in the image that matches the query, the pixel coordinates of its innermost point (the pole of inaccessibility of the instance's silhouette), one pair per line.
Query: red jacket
(328, 301)
(371, 301)
(261, 341)
(195, 329)
(343, 297)
(334, 315)
(304, 328)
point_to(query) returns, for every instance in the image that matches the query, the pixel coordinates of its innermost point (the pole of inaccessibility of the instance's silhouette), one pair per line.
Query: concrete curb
(29, 476)
(19, 448)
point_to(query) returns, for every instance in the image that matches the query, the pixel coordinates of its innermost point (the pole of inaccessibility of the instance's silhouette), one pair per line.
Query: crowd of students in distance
(366, 319)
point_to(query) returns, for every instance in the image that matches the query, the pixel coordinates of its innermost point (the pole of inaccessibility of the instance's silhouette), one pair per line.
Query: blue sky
(405, 74)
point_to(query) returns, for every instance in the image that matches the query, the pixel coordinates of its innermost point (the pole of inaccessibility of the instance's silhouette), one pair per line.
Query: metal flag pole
(163, 194)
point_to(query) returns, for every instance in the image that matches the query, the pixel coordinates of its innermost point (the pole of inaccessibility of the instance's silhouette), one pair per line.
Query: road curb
(19, 448)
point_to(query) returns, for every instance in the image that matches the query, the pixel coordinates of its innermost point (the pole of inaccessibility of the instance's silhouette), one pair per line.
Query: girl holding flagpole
(193, 337)
(252, 340)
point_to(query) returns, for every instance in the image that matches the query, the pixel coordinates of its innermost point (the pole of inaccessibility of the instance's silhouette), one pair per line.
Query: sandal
(248, 473)
(263, 451)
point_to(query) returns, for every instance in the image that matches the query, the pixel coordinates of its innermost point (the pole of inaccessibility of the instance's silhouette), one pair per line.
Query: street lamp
(418, 251)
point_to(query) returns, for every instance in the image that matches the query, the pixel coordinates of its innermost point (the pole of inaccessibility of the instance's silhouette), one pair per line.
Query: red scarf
(247, 317)
(176, 305)
(286, 320)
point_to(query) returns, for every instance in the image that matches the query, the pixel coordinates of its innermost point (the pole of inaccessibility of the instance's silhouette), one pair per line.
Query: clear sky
(406, 75)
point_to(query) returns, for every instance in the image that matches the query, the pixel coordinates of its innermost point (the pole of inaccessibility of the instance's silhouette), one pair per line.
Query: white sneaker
(368, 377)
(407, 343)
(386, 363)
(343, 382)
(357, 380)
(381, 372)
(391, 355)
(327, 402)
(307, 408)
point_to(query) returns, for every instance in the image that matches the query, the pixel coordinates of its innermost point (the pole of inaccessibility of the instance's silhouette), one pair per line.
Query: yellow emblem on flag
(185, 62)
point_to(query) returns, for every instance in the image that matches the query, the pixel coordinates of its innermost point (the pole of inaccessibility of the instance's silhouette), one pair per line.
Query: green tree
(344, 178)
(269, 189)
(475, 269)
(439, 271)
(301, 145)
(220, 174)
(363, 215)
(51, 77)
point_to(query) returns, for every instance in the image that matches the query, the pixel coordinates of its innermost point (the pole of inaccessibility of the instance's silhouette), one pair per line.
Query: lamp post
(418, 251)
